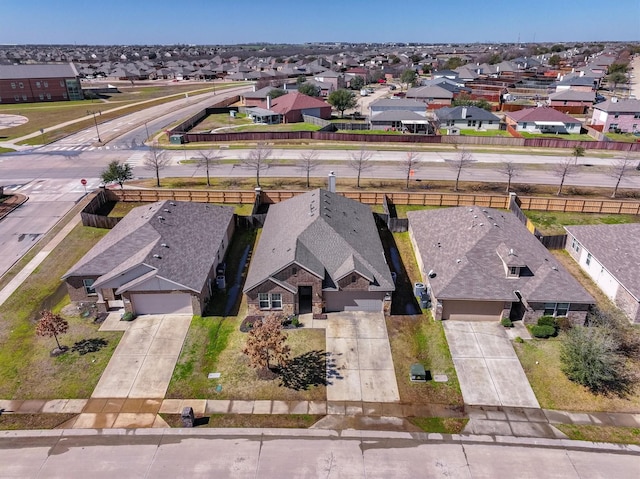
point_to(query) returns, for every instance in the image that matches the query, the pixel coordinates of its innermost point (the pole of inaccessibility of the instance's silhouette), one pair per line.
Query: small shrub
(543, 331)
(506, 322)
(128, 316)
(547, 321)
(295, 322)
(519, 340)
(564, 324)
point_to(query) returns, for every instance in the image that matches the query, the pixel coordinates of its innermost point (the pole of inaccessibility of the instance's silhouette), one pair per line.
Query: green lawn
(371, 132)
(280, 127)
(440, 425)
(552, 222)
(609, 434)
(6, 150)
(472, 132)
(567, 136)
(624, 137)
(220, 120)
(26, 369)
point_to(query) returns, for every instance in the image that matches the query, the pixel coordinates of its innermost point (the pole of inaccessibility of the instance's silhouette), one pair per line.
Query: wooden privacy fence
(378, 197)
(89, 213)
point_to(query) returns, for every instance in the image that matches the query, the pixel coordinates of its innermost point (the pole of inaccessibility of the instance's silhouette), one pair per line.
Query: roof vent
(481, 224)
(166, 210)
(161, 218)
(458, 260)
(164, 245)
(157, 256)
(172, 203)
(554, 268)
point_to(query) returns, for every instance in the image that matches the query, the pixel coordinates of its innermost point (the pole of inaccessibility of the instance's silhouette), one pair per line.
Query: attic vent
(157, 256)
(172, 203)
(164, 245)
(481, 224)
(161, 218)
(470, 210)
(490, 217)
(495, 224)
(166, 210)
(554, 268)
(475, 216)
(458, 260)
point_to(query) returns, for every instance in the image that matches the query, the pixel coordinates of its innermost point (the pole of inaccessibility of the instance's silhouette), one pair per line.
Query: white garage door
(352, 301)
(162, 303)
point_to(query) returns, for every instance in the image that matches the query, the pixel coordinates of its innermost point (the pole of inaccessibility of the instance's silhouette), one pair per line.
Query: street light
(95, 123)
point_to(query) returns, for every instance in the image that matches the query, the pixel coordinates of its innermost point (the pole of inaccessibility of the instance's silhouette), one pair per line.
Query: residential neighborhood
(372, 246)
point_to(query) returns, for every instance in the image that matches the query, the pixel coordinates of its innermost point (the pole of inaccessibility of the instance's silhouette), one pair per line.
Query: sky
(140, 22)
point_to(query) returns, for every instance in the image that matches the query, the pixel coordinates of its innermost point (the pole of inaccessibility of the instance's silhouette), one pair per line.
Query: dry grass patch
(540, 360)
(13, 422)
(289, 421)
(618, 435)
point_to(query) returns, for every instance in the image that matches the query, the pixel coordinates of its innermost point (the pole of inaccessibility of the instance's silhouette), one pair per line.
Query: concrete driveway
(143, 362)
(488, 369)
(360, 367)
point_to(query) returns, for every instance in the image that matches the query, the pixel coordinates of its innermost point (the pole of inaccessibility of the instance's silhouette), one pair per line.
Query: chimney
(254, 87)
(268, 102)
(464, 112)
(331, 182)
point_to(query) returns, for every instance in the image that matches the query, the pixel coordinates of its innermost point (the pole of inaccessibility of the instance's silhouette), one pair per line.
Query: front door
(304, 299)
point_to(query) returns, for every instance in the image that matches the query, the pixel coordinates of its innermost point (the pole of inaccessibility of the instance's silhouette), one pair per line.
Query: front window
(549, 309)
(575, 246)
(556, 309)
(562, 309)
(276, 301)
(88, 286)
(263, 298)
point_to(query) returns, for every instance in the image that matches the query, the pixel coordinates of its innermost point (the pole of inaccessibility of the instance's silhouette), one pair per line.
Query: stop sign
(83, 181)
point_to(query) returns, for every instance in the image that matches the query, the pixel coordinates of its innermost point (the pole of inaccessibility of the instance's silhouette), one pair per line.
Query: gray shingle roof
(616, 248)
(397, 115)
(463, 246)
(49, 70)
(192, 232)
(398, 103)
(325, 233)
(573, 95)
(619, 106)
(472, 113)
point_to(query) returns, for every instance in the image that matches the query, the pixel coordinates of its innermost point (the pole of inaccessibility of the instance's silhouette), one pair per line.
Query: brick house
(294, 105)
(615, 114)
(318, 252)
(159, 259)
(483, 264)
(39, 83)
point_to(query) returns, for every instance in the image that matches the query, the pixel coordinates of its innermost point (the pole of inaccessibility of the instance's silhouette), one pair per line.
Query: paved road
(302, 453)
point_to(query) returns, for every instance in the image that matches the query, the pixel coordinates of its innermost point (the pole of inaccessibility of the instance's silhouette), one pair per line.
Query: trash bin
(188, 417)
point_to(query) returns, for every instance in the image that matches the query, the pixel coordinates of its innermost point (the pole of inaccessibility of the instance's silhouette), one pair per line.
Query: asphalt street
(236, 453)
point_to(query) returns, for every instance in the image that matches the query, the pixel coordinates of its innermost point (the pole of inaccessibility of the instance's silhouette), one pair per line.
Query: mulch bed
(248, 322)
(11, 203)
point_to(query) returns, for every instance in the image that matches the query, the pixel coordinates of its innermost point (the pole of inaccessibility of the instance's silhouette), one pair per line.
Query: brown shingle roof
(461, 246)
(296, 101)
(543, 113)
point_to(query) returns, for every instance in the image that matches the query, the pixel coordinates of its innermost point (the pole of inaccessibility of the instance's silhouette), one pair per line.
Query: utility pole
(95, 122)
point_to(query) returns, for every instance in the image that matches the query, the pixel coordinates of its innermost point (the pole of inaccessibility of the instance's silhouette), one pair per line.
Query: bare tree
(618, 170)
(208, 159)
(156, 161)
(463, 160)
(411, 164)
(258, 159)
(266, 342)
(360, 162)
(510, 170)
(308, 162)
(578, 151)
(50, 325)
(563, 170)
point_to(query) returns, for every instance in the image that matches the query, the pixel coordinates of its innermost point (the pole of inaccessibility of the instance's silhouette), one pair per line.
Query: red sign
(83, 181)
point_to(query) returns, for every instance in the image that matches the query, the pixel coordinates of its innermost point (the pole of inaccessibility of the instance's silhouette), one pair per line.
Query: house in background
(615, 114)
(609, 255)
(562, 98)
(542, 120)
(401, 114)
(483, 264)
(467, 117)
(38, 83)
(434, 96)
(396, 104)
(293, 106)
(318, 252)
(159, 259)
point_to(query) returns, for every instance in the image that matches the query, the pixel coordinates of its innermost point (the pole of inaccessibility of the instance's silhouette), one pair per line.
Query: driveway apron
(488, 369)
(143, 362)
(359, 363)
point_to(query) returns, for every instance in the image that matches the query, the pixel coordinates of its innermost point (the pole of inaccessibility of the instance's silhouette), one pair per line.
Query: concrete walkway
(143, 362)
(359, 365)
(98, 413)
(488, 369)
